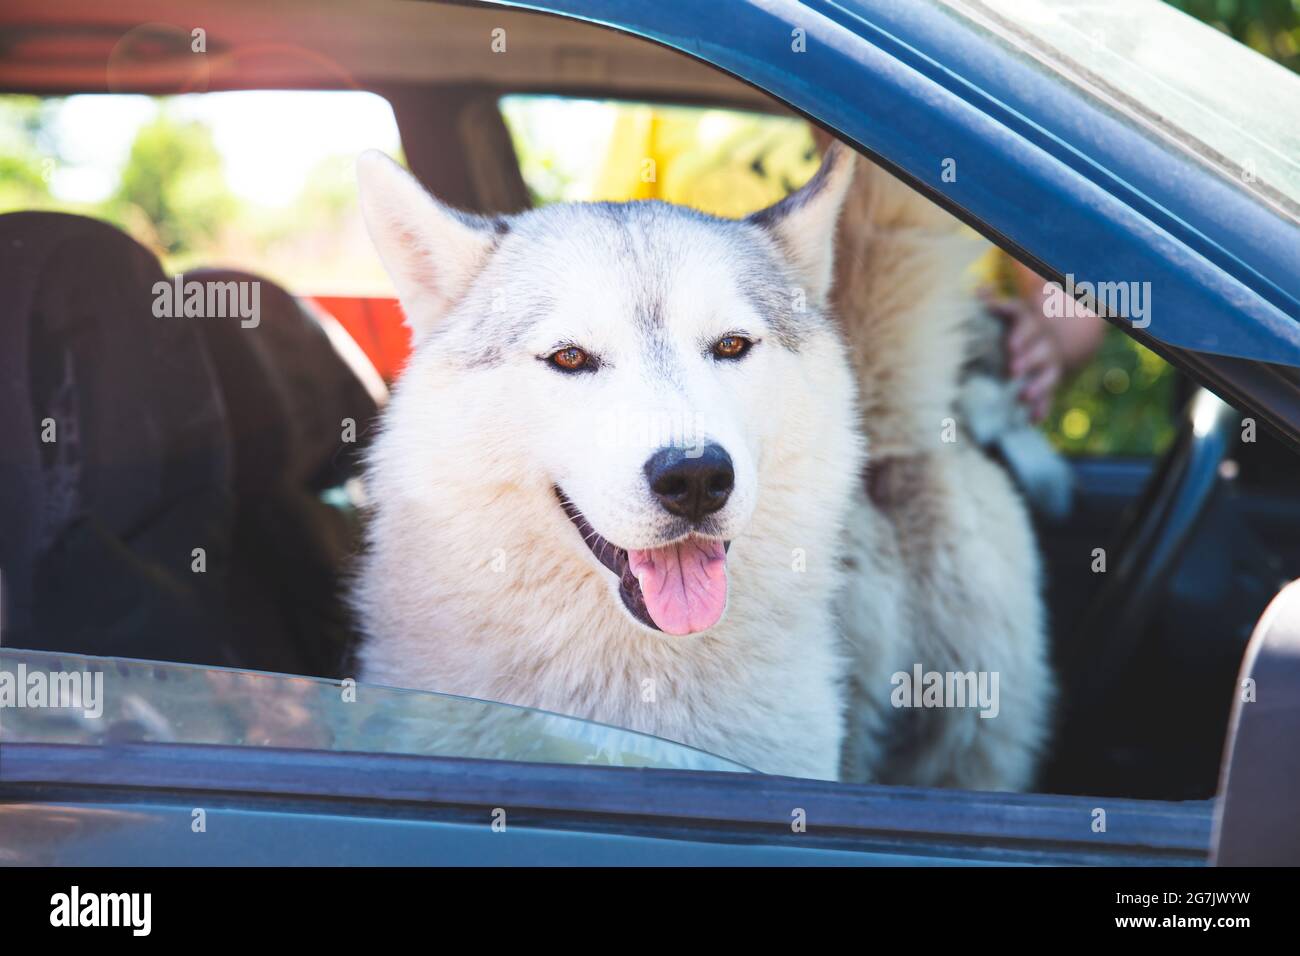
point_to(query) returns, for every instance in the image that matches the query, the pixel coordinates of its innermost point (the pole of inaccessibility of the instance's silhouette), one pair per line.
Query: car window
(69, 699)
(262, 181)
(722, 161)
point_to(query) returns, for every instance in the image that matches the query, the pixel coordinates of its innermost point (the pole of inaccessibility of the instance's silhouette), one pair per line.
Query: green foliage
(173, 177)
(1270, 27)
(1120, 404)
(24, 161)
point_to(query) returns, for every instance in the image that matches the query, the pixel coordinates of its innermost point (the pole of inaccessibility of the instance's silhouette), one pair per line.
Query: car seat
(160, 477)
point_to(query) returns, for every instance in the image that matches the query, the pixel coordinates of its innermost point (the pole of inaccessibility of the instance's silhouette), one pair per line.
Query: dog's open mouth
(679, 588)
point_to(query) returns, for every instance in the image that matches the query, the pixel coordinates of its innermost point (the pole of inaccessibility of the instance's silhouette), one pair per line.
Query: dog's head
(635, 356)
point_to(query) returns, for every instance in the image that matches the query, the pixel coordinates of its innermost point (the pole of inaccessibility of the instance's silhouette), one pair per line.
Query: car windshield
(1161, 69)
(69, 699)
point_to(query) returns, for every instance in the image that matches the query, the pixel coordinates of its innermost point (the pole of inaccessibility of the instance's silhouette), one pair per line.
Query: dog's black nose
(690, 482)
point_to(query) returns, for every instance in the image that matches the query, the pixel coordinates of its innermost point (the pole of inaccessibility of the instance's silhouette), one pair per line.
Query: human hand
(1034, 355)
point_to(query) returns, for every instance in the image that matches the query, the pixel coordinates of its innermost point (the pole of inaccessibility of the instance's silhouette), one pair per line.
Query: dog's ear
(431, 251)
(803, 223)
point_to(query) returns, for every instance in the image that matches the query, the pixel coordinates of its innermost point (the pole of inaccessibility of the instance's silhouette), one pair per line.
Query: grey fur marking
(643, 234)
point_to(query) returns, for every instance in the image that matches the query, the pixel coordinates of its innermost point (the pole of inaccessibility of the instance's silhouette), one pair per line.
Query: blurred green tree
(1270, 27)
(26, 155)
(173, 176)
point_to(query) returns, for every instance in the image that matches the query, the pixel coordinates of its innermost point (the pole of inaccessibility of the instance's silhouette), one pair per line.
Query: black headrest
(289, 393)
(111, 422)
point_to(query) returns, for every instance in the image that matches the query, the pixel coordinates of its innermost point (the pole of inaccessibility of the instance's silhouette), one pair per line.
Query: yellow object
(722, 162)
(1075, 424)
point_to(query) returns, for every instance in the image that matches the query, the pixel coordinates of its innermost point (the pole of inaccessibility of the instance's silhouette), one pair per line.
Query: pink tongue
(684, 584)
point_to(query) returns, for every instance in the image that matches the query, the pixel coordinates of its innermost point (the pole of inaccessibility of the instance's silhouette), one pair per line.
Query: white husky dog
(621, 478)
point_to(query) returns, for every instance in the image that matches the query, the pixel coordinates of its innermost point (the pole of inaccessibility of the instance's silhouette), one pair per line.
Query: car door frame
(117, 795)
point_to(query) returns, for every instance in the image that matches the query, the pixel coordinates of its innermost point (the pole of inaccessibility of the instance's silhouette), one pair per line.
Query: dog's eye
(731, 347)
(570, 359)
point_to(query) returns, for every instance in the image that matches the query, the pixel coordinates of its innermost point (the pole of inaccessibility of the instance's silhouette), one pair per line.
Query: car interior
(194, 439)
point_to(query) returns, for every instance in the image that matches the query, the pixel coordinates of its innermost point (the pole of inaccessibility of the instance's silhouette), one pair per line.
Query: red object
(377, 326)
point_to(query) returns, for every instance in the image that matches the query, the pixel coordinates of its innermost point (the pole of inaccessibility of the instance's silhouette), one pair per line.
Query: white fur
(947, 569)
(476, 583)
